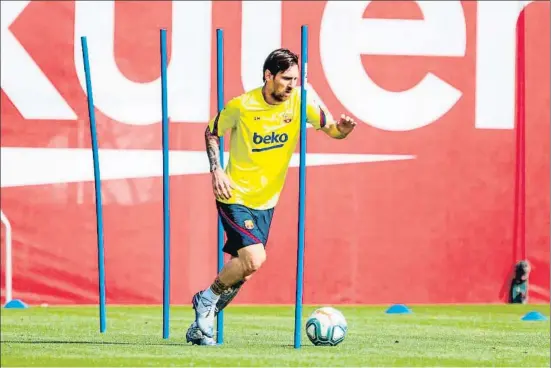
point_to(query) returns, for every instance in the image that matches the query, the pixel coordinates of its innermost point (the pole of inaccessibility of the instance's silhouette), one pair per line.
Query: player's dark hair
(278, 61)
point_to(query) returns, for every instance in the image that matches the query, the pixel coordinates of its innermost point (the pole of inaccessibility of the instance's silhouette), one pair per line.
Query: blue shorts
(244, 226)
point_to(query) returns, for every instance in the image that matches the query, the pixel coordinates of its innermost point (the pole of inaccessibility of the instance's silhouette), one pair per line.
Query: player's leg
(263, 220)
(229, 294)
(232, 269)
(206, 303)
(249, 260)
(194, 334)
(245, 244)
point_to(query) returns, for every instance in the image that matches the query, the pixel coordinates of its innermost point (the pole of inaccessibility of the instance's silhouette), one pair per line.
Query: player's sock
(212, 294)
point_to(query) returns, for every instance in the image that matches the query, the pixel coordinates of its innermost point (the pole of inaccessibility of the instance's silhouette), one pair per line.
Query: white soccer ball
(326, 326)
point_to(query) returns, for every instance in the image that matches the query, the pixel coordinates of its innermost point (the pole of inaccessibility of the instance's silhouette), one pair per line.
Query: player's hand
(346, 125)
(221, 184)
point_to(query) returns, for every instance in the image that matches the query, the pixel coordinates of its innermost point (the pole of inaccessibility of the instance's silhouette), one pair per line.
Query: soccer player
(265, 128)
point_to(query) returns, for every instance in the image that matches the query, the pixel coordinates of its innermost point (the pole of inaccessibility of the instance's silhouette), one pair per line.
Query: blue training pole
(166, 192)
(220, 98)
(302, 184)
(97, 182)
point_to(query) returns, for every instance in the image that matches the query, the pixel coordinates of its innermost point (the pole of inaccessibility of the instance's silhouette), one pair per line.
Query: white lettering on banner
(188, 73)
(260, 35)
(441, 33)
(496, 63)
(22, 80)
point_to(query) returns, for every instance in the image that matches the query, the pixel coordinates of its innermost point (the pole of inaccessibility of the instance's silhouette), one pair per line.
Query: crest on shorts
(249, 224)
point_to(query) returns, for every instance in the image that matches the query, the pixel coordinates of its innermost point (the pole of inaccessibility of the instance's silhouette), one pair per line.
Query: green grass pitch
(480, 335)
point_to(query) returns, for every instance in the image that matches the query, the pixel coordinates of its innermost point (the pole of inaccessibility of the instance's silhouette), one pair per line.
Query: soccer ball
(326, 327)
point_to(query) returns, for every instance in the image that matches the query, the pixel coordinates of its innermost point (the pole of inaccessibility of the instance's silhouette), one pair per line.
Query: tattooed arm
(212, 143)
(221, 183)
(224, 121)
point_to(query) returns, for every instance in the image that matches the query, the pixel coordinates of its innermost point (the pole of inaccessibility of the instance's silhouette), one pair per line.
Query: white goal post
(8, 275)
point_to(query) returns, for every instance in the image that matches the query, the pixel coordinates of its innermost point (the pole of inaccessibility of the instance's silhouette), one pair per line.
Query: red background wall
(435, 229)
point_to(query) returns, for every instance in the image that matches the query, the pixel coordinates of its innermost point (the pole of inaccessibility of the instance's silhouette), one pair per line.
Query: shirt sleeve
(226, 119)
(316, 115)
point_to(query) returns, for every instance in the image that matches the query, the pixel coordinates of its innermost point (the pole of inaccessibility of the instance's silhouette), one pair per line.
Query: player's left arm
(322, 120)
(340, 129)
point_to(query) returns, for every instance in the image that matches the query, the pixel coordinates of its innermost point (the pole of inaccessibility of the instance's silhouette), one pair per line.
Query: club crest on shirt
(287, 117)
(249, 224)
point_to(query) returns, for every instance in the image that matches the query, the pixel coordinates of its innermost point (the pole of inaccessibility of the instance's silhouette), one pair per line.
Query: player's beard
(280, 97)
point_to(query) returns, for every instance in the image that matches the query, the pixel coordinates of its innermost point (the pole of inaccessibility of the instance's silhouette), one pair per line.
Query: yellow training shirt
(263, 139)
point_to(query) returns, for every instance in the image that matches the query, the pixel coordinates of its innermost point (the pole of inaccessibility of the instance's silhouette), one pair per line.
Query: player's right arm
(225, 120)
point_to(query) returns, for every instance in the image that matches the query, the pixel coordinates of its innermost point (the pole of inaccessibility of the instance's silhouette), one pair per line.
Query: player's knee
(252, 258)
(255, 263)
